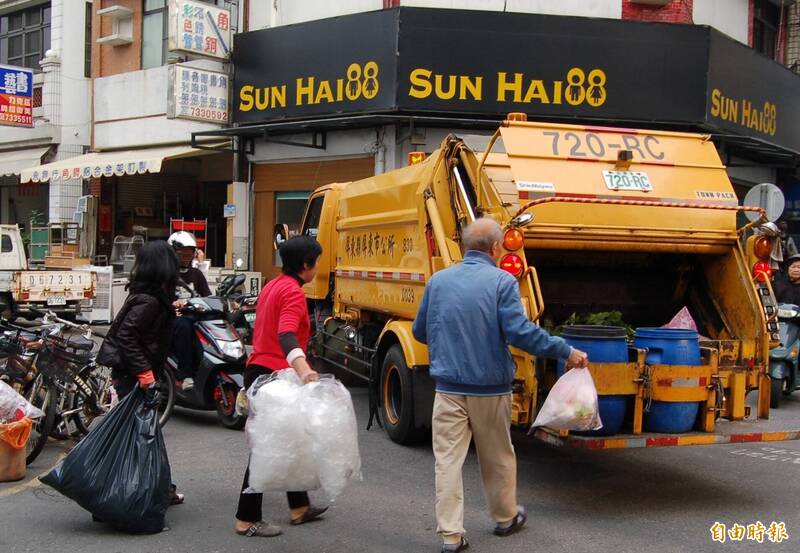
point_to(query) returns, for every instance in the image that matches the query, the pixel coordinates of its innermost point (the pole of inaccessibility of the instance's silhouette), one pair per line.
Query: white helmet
(182, 239)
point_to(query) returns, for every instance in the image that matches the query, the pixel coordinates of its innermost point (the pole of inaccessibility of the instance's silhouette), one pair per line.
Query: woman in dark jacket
(138, 340)
(280, 339)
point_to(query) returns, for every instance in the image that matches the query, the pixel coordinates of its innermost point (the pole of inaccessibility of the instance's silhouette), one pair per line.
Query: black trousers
(184, 345)
(250, 503)
(249, 509)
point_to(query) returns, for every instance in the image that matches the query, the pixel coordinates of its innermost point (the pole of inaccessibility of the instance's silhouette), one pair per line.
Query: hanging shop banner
(199, 28)
(197, 94)
(752, 96)
(16, 96)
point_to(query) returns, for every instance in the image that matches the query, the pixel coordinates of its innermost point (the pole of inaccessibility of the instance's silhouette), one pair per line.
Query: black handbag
(109, 354)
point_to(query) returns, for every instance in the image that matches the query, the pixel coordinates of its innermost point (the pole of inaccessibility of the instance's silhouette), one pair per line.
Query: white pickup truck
(21, 289)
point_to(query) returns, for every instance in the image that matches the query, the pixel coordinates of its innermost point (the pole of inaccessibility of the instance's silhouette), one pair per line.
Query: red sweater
(281, 308)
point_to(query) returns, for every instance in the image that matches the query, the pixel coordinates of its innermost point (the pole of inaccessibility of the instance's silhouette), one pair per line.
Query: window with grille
(25, 36)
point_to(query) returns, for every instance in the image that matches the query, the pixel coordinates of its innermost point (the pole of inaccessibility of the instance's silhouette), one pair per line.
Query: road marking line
(32, 483)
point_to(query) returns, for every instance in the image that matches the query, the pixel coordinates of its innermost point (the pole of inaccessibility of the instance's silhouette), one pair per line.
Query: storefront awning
(14, 161)
(108, 164)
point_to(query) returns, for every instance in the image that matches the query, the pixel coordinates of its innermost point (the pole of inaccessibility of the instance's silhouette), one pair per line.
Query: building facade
(52, 41)
(423, 73)
(159, 72)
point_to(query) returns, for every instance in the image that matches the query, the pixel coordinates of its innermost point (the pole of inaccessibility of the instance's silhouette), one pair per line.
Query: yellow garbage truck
(596, 219)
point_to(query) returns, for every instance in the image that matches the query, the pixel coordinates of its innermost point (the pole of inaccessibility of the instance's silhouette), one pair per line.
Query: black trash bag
(120, 471)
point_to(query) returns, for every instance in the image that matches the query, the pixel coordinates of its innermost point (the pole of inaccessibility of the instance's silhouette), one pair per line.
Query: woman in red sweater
(280, 340)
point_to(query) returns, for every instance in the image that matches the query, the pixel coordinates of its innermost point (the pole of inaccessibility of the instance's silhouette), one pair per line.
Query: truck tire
(776, 387)
(397, 399)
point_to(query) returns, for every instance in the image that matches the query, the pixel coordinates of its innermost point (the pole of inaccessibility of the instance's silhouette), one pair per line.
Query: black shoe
(455, 547)
(516, 524)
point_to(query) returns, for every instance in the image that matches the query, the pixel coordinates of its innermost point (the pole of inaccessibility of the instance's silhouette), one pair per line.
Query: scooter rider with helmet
(787, 285)
(184, 343)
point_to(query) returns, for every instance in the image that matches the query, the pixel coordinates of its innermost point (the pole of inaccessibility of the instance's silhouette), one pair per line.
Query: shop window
(155, 32)
(7, 246)
(289, 210)
(766, 22)
(25, 36)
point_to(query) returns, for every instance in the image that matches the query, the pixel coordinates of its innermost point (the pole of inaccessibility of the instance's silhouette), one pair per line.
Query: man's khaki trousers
(487, 419)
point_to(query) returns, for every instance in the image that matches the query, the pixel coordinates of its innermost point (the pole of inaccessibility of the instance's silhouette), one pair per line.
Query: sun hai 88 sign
(199, 28)
(16, 96)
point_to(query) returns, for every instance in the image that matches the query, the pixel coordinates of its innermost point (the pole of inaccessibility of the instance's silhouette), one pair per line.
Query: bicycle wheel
(41, 394)
(86, 409)
(166, 379)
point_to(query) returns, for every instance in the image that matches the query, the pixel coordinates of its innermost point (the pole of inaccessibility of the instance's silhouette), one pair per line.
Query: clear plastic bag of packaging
(331, 422)
(14, 407)
(571, 404)
(301, 437)
(281, 453)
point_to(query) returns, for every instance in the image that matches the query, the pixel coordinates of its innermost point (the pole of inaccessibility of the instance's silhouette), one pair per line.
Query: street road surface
(657, 500)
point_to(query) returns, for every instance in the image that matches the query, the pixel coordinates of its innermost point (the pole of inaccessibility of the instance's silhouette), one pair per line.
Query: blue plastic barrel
(668, 346)
(603, 344)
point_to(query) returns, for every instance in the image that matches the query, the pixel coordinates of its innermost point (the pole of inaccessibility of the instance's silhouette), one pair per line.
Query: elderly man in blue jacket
(469, 315)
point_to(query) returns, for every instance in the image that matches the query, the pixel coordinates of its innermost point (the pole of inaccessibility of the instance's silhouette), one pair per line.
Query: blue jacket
(469, 315)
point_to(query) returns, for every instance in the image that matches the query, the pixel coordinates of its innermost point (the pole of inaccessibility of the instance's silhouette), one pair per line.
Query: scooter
(783, 359)
(220, 364)
(241, 307)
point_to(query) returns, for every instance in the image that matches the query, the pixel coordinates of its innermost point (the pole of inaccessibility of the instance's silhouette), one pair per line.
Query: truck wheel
(776, 387)
(397, 399)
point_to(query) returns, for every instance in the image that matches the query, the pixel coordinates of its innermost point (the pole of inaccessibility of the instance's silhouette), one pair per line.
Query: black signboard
(324, 67)
(750, 95)
(496, 63)
(487, 64)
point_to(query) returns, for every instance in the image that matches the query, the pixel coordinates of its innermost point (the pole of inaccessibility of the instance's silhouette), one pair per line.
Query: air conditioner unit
(99, 308)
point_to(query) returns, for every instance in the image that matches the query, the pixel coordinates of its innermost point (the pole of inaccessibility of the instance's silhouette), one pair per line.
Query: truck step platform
(783, 425)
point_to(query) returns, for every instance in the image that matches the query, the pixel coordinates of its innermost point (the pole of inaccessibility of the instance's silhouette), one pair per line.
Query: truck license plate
(57, 300)
(627, 180)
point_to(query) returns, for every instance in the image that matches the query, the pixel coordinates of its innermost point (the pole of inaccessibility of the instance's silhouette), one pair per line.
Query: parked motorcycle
(241, 306)
(783, 359)
(219, 361)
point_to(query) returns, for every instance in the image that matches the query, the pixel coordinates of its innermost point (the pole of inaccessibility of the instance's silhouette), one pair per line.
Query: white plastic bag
(281, 456)
(14, 407)
(571, 404)
(301, 437)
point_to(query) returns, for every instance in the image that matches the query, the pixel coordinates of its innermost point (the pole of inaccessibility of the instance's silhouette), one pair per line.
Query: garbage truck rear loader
(596, 220)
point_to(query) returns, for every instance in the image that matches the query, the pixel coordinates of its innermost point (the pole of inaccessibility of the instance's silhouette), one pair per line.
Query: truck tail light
(513, 239)
(762, 247)
(26, 295)
(512, 264)
(762, 271)
(87, 293)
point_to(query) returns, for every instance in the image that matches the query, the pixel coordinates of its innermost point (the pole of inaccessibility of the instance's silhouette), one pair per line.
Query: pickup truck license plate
(627, 180)
(57, 300)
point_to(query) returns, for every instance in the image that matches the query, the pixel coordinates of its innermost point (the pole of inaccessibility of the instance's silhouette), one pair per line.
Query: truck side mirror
(280, 235)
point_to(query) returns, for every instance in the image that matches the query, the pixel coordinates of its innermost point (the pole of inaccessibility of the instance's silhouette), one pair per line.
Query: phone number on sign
(207, 113)
(16, 118)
